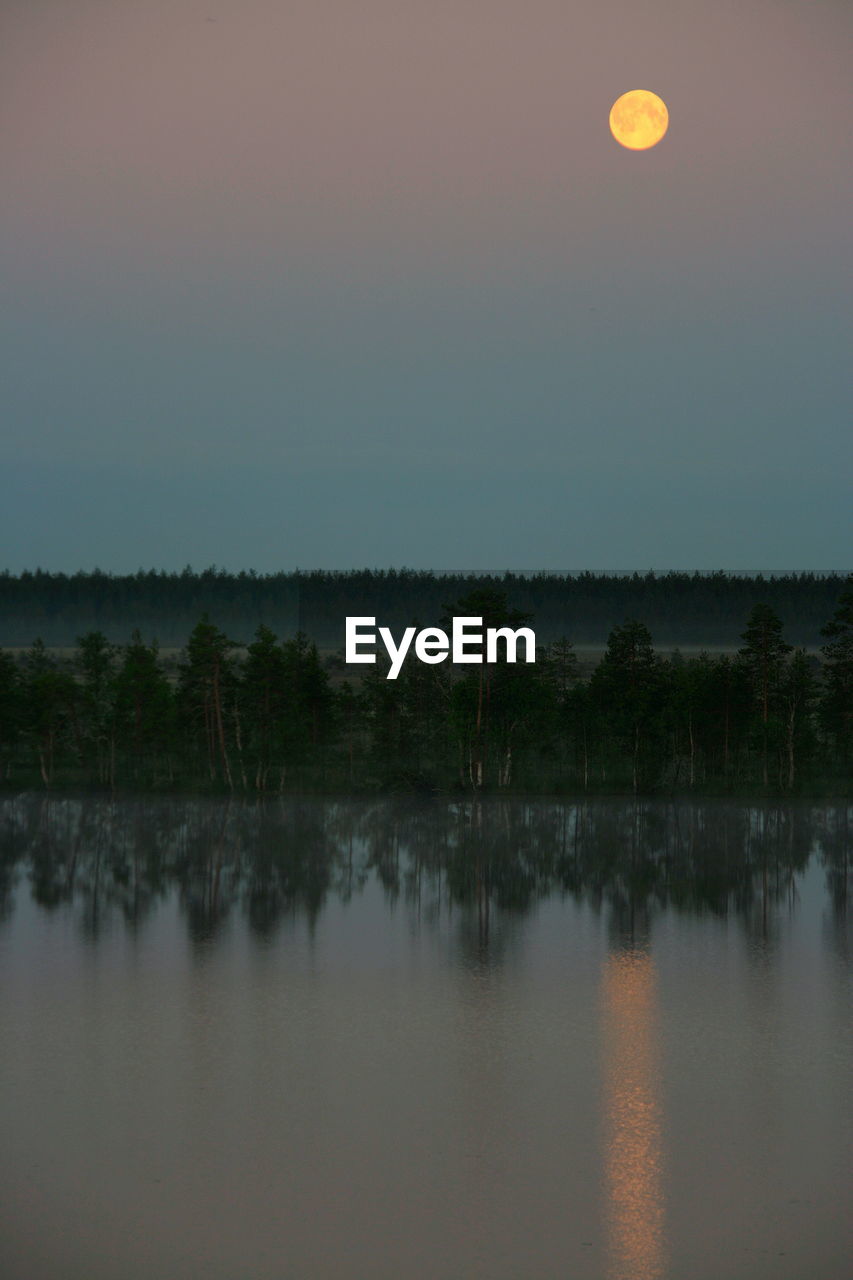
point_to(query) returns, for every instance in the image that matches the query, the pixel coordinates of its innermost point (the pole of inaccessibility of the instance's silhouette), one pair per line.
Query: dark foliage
(275, 720)
(678, 608)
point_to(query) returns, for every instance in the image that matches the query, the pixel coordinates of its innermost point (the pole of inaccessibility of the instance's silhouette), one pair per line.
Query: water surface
(394, 1039)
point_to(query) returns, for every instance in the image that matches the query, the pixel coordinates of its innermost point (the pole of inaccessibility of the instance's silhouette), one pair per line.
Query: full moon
(638, 119)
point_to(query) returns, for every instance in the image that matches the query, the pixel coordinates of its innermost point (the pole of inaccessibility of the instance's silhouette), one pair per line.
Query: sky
(346, 283)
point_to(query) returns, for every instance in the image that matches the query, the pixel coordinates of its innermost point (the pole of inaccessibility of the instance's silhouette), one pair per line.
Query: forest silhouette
(678, 608)
(278, 716)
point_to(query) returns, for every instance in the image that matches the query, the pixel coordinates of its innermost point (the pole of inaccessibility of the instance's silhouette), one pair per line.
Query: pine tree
(309, 710)
(95, 656)
(763, 656)
(264, 702)
(143, 709)
(206, 695)
(689, 701)
(50, 697)
(626, 686)
(476, 699)
(729, 714)
(11, 711)
(798, 695)
(837, 701)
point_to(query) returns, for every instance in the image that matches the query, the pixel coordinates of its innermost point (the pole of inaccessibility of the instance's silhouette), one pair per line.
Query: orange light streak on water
(635, 1206)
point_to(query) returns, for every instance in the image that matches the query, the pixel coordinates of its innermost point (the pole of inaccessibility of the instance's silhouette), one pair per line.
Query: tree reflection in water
(482, 860)
(470, 871)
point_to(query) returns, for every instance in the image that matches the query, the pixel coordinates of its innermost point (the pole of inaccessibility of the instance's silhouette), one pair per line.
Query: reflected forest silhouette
(479, 862)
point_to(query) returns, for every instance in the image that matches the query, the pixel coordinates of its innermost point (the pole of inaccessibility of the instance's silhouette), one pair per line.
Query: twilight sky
(333, 283)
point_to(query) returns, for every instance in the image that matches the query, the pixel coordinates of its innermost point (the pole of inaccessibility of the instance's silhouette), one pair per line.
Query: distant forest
(691, 609)
(278, 717)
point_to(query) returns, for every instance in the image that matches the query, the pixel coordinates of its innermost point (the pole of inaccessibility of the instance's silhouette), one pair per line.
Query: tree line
(679, 608)
(278, 718)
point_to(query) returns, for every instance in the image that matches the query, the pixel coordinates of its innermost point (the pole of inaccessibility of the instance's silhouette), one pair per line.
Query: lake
(362, 1039)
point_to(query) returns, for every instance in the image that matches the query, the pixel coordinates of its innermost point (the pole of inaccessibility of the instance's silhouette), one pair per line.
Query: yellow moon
(638, 119)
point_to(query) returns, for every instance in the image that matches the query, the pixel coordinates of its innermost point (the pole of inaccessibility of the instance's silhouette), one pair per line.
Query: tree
(837, 702)
(626, 687)
(49, 700)
(11, 711)
(689, 700)
(206, 687)
(264, 697)
(763, 655)
(309, 710)
(475, 700)
(561, 669)
(562, 720)
(95, 656)
(143, 707)
(798, 696)
(422, 696)
(351, 716)
(729, 713)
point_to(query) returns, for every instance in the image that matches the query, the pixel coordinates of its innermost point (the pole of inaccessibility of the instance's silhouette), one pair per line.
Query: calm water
(388, 1039)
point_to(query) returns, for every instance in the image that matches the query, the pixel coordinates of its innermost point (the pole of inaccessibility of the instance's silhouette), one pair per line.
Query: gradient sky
(368, 282)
